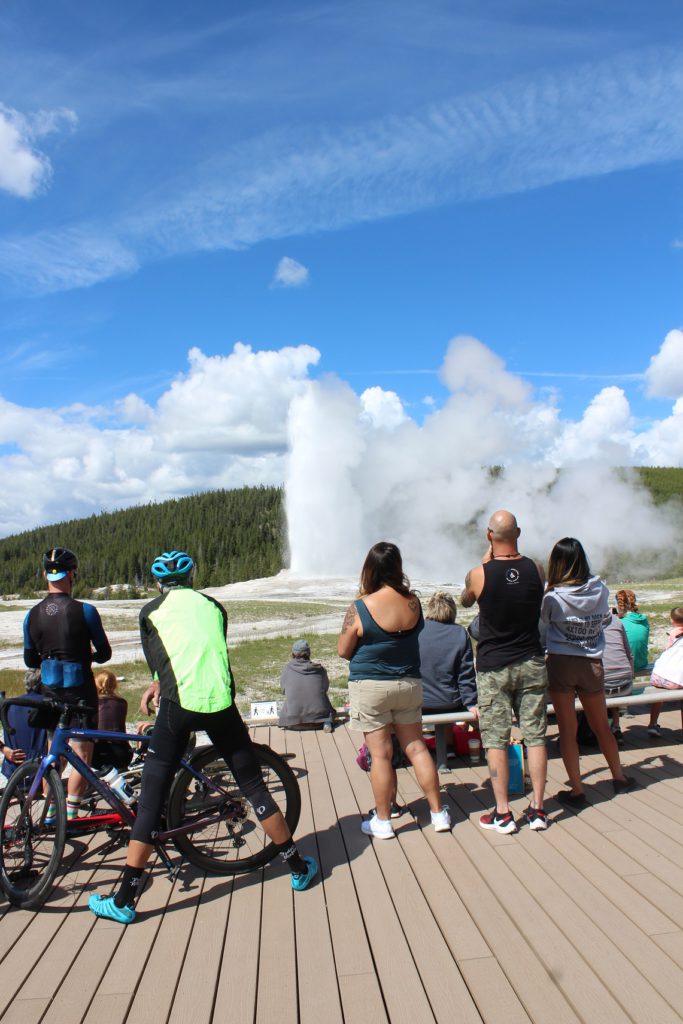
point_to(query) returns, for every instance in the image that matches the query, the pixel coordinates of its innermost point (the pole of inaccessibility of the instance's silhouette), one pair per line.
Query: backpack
(398, 760)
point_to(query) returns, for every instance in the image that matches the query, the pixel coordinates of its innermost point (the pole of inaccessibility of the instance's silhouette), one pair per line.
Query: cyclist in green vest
(184, 641)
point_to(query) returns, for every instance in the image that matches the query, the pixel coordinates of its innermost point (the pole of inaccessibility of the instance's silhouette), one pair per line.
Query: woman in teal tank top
(379, 638)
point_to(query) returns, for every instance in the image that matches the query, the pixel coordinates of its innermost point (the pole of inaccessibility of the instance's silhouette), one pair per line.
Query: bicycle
(207, 819)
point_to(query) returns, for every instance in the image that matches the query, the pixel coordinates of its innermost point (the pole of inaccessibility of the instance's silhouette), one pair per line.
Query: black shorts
(72, 695)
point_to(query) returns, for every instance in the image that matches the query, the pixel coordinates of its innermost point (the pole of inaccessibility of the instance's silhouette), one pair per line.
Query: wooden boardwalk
(581, 923)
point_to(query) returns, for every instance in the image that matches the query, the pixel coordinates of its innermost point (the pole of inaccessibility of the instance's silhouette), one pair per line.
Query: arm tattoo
(413, 604)
(349, 618)
(493, 773)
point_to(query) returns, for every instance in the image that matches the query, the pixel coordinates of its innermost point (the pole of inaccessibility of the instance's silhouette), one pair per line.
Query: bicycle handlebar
(50, 703)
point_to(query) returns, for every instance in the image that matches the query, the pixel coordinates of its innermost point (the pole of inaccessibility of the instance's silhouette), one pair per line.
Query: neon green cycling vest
(184, 641)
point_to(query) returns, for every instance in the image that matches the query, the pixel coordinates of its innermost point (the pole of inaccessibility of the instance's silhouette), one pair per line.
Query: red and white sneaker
(504, 823)
(538, 820)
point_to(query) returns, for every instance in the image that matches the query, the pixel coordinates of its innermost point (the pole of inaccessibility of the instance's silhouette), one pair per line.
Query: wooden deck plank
(596, 929)
(73, 996)
(316, 974)
(43, 933)
(402, 988)
(74, 931)
(195, 993)
(492, 991)
(276, 997)
(611, 917)
(627, 895)
(536, 989)
(352, 954)
(582, 922)
(582, 987)
(238, 975)
(23, 1010)
(444, 986)
(114, 994)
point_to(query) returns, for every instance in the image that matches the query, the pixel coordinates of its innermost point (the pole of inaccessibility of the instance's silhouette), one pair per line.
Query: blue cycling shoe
(104, 906)
(301, 882)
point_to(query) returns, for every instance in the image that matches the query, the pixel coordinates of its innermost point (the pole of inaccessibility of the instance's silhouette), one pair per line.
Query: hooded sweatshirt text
(571, 618)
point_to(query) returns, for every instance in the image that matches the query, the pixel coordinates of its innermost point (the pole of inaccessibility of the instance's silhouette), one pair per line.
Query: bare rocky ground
(121, 617)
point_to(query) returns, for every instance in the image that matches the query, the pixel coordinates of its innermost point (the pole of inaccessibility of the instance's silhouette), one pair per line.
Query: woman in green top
(636, 626)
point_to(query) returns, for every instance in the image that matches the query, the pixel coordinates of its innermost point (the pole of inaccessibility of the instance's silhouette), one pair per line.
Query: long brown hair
(383, 567)
(567, 565)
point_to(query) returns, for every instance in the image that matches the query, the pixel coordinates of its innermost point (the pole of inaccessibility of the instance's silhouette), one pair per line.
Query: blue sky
(508, 170)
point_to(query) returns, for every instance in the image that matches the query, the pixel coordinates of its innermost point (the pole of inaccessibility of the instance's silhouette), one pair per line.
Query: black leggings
(168, 742)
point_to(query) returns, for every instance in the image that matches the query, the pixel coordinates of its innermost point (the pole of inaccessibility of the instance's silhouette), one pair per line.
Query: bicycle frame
(60, 748)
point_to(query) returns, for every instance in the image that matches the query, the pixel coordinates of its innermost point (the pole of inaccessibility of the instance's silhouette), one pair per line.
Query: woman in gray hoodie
(574, 607)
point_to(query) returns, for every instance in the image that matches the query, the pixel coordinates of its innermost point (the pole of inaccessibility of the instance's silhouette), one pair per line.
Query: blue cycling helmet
(173, 567)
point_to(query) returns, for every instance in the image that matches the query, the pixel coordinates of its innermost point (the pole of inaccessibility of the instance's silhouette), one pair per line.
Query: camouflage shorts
(522, 688)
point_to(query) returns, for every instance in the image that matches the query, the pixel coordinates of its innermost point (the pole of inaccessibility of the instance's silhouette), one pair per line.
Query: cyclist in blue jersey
(184, 641)
(62, 637)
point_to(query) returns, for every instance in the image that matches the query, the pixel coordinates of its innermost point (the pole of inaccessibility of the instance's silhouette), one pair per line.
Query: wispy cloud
(530, 132)
(30, 356)
(289, 273)
(552, 374)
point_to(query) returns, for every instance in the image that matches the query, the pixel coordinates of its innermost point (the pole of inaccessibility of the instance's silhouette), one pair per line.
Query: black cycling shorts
(168, 743)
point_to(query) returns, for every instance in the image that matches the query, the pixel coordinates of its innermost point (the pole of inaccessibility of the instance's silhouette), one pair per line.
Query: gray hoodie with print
(572, 619)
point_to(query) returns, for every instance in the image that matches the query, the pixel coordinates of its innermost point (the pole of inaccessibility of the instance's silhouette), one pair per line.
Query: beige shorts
(379, 702)
(571, 673)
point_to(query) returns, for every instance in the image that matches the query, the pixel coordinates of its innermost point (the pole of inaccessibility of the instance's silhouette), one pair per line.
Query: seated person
(111, 717)
(446, 661)
(617, 662)
(636, 625)
(667, 673)
(305, 685)
(27, 741)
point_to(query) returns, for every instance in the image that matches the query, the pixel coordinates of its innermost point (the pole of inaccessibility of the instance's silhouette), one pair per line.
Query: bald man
(511, 671)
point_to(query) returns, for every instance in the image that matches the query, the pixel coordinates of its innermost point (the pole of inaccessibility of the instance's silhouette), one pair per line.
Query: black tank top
(509, 610)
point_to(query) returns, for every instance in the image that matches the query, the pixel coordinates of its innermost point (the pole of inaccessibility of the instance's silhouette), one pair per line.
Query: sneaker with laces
(503, 823)
(301, 882)
(104, 906)
(654, 730)
(538, 819)
(441, 820)
(377, 828)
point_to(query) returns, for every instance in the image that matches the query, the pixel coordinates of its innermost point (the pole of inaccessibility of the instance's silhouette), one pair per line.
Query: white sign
(264, 709)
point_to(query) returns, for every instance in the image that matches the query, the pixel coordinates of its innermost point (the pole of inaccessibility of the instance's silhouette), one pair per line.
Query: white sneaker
(441, 820)
(377, 828)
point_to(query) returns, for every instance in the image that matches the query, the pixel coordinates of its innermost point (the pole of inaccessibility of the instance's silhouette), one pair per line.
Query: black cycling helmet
(57, 562)
(172, 568)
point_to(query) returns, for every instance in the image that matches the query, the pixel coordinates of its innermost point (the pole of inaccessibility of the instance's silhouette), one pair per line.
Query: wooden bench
(443, 722)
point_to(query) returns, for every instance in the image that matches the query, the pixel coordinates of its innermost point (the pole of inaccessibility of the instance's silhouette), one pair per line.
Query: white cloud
(290, 273)
(664, 375)
(222, 423)
(357, 466)
(525, 133)
(24, 170)
(383, 409)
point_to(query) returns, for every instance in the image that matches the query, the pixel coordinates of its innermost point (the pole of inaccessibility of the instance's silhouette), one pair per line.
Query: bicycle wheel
(30, 852)
(236, 842)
